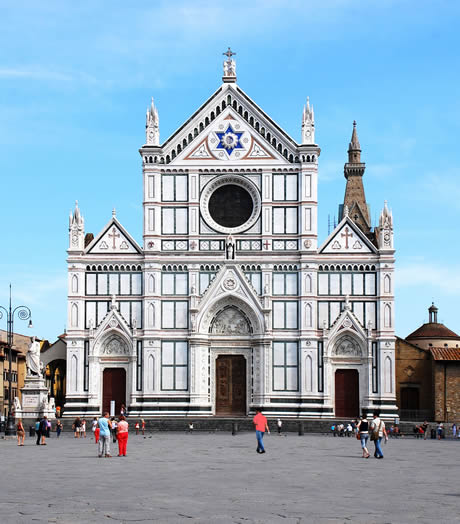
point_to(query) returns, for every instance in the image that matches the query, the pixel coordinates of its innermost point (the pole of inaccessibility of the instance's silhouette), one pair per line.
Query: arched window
(388, 376)
(151, 287)
(151, 373)
(387, 284)
(151, 315)
(308, 374)
(74, 373)
(75, 284)
(74, 315)
(308, 315)
(308, 284)
(387, 316)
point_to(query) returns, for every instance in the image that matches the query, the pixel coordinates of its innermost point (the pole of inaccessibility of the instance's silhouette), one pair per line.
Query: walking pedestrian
(261, 425)
(48, 428)
(378, 432)
(425, 428)
(97, 433)
(123, 410)
(43, 430)
(37, 431)
(83, 428)
(363, 432)
(58, 428)
(454, 430)
(94, 425)
(105, 425)
(143, 425)
(440, 430)
(122, 436)
(76, 427)
(279, 425)
(137, 428)
(20, 433)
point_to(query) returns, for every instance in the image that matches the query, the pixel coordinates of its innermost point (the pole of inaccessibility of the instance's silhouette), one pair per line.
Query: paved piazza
(219, 478)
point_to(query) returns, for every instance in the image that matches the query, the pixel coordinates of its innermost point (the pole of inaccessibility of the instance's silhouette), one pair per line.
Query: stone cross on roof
(229, 67)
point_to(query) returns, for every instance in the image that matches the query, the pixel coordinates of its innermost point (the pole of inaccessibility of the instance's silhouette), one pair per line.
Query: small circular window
(230, 204)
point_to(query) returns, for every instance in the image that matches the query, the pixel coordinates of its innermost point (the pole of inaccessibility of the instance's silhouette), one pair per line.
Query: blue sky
(76, 78)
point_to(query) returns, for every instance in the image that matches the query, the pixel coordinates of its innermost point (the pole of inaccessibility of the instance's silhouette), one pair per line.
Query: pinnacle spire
(308, 124)
(152, 125)
(354, 148)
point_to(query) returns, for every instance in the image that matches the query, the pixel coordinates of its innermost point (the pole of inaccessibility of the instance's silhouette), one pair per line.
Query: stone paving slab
(219, 478)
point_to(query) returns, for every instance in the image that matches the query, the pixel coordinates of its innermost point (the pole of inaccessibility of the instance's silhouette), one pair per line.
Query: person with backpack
(378, 432)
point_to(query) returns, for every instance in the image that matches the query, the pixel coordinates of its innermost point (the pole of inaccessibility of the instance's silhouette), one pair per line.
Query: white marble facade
(230, 264)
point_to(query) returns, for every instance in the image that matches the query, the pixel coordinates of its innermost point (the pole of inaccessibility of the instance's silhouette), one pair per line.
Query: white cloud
(425, 274)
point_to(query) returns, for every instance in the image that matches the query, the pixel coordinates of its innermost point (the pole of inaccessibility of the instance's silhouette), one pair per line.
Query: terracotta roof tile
(445, 353)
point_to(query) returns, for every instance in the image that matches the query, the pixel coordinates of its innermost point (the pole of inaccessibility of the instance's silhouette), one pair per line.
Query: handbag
(358, 436)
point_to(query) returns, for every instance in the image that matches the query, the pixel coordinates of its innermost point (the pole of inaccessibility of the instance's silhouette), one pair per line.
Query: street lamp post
(23, 313)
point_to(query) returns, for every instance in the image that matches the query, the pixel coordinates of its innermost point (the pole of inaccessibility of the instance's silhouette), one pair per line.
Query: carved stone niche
(346, 346)
(230, 321)
(114, 345)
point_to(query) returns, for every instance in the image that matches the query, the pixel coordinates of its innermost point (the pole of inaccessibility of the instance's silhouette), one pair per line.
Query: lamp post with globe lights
(23, 313)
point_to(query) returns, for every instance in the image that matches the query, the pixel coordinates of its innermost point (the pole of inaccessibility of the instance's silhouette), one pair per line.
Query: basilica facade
(231, 301)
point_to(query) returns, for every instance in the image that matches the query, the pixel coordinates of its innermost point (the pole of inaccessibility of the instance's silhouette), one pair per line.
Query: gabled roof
(347, 238)
(198, 126)
(113, 234)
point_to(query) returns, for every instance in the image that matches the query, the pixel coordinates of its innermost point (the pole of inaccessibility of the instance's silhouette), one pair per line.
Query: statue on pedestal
(33, 358)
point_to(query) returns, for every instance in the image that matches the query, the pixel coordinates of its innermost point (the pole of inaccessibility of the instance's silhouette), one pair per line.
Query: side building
(230, 302)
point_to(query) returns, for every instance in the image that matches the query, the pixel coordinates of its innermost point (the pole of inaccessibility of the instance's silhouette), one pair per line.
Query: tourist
(94, 425)
(137, 428)
(43, 430)
(261, 425)
(440, 430)
(190, 427)
(378, 432)
(114, 429)
(58, 411)
(143, 425)
(20, 433)
(349, 430)
(122, 436)
(454, 430)
(105, 426)
(279, 425)
(37, 431)
(97, 433)
(363, 432)
(48, 428)
(425, 428)
(83, 428)
(59, 427)
(76, 427)
(123, 410)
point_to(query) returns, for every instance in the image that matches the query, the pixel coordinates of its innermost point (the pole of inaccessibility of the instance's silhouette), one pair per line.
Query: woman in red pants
(122, 436)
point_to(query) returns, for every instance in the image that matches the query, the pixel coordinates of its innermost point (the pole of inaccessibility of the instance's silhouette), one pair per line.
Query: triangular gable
(230, 281)
(230, 138)
(113, 239)
(347, 238)
(347, 321)
(190, 136)
(113, 321)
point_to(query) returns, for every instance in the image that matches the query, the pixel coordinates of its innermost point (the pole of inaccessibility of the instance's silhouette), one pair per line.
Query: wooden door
(230, 385)
(113, 388)
(347, 393)
(410, 398)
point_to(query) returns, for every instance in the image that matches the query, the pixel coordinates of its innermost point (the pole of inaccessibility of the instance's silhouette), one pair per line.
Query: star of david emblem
(229, 140)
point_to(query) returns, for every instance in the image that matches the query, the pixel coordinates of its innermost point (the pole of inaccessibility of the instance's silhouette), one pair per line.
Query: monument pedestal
(35, 401)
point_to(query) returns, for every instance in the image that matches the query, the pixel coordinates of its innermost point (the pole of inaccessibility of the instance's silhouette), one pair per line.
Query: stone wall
(447, 391)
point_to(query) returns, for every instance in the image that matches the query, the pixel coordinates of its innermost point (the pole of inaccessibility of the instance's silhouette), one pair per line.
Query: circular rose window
(230, 204)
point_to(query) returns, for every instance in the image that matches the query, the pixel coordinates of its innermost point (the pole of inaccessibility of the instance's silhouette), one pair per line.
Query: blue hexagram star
(229, 140)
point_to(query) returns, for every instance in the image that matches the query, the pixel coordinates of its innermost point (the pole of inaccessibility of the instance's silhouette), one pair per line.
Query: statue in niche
(347, 347)
(230, 248)
(230, 322)
(33, 358)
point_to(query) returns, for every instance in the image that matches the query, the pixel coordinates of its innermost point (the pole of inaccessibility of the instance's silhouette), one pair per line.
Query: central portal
(347, 393)
(113, 388)
(230, 385)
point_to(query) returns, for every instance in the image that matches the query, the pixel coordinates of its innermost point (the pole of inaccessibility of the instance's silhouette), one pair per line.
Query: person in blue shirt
(104, 436)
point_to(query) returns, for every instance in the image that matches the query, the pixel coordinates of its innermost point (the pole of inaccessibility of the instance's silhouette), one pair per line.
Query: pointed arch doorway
(113, 388)
(230, 385)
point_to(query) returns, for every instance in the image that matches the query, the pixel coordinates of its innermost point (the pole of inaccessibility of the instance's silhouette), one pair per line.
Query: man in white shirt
(378, 431)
